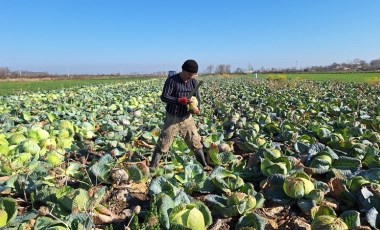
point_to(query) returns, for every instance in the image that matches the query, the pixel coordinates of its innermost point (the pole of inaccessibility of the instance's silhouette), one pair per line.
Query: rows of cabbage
(308, 145)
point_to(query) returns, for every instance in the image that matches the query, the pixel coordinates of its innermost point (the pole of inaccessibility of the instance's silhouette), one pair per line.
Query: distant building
(171, 73)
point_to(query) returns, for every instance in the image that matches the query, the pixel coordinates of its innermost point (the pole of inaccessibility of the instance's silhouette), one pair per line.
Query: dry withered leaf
(43, 211)
(273, 212)
(4, 178)
(337, 187)
(30, 224)
(140, 143)
(301, 224)
(102, 215)
(138, 188)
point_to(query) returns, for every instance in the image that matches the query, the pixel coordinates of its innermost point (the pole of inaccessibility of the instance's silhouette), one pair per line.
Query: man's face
(187, 75)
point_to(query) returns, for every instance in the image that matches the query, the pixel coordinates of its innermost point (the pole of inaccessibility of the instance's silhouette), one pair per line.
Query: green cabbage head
(16, 138)
(188, 216)
(325, 222)
(38, 134)
(297, 187)
(30, 146)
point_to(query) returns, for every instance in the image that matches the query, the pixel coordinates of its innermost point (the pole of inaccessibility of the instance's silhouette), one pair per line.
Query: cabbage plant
(251, 221)
(225, 180)
(188, 216)
(280, 165)
(297, 187)
(232, 204)
(192, 179)
(325, 222)
(180, 212)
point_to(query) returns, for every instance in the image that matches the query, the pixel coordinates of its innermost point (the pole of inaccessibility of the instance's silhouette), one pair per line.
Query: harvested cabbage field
(286, 154)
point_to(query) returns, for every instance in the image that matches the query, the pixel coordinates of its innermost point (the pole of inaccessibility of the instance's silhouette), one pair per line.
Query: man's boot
(155, 159)
(200, 156)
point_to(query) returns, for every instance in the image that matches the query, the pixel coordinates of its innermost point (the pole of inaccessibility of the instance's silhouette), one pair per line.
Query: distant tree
(239, 70)
(209, 69)
(363, 63)
(356, 61)
(4, 71)
(219, 69)
(333, 66)
(375, 64)
(223, 69)
(250, 68)
(228, 69)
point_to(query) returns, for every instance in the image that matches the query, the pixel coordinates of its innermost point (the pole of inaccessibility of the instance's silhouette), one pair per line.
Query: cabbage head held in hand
(193, 105)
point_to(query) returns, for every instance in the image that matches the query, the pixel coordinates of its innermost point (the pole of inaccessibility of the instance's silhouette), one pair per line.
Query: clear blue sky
(84, 36)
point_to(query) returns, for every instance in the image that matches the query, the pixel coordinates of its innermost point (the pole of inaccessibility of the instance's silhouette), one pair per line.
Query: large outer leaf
(347, 163)
(317, 148)
(162, 185)
(181, 198)
(372, 175)
(280, 165)
(220, 204)
(205, 211)
(80, 200)
(220, 172)
(369, 196)
(71, 199)
(10, 207)
(98, 196)
(351, 218)
(229, 183)
(79, 221)
(18, 222)
(301, 147)
(213, 153)
(373, 218)
(3, 218)
(251, 220)
(165, 205)
(273, 189)
(135, 173)
(102, 168)
(46, 223)
(179, 215)
(73, 169)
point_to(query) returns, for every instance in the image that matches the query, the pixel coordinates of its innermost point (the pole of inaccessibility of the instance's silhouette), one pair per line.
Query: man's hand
(183, 100)
(196, 111)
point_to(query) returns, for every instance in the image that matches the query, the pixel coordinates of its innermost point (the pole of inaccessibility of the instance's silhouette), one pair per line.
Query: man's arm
(167, 91)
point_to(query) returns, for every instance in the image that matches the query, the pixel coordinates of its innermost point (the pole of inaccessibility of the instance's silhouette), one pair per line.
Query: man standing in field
(178, 118)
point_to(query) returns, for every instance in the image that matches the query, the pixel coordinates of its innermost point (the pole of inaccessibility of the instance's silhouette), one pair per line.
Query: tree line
(354, 65)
